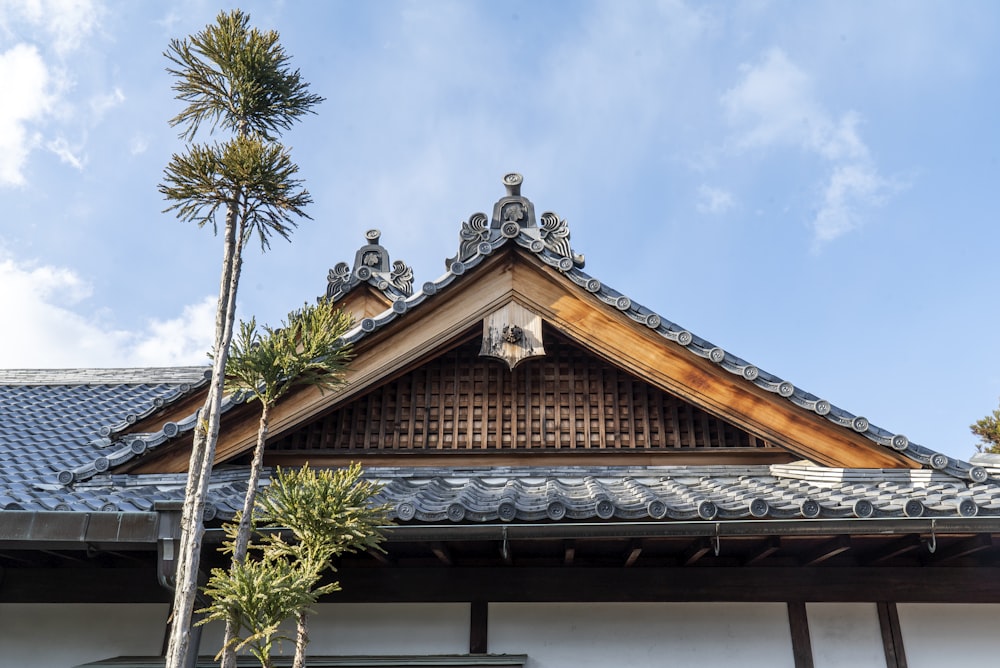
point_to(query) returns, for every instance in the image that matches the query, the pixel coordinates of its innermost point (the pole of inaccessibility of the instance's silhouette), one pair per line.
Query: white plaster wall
(376, 628)
(966, 634)
(44, 635)
(583, 635)
(845, 634)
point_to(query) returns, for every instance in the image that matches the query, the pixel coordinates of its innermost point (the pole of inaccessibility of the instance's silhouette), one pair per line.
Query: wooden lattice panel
(567, 400)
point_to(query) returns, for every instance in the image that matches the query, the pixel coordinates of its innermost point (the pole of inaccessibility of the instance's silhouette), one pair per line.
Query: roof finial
(513, 183)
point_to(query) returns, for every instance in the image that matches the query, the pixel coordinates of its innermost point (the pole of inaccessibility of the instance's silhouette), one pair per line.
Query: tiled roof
(678, 493)
(56, 421)
(48, 426)
(513, 221)
(58, 428)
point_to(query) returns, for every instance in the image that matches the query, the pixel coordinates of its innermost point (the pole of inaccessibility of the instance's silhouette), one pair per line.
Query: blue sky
(812, 186)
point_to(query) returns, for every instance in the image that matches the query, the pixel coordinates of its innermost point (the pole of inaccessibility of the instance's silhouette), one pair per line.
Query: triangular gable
(567, 406)
(511, 259)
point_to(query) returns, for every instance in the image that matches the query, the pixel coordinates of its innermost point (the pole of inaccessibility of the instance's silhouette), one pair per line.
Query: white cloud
(67, 154)
(36, 80)
(27, 98)
(182, 340)
(774, 105)
(852, 188)
(65, 24)
(49, 325)
(714, 200)
(138, 144)
(105, 102)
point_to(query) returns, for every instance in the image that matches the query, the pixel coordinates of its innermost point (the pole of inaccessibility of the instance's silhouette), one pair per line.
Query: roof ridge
(102, 375)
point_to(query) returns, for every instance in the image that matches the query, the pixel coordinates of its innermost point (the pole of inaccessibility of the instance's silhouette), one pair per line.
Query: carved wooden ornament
(512, 333)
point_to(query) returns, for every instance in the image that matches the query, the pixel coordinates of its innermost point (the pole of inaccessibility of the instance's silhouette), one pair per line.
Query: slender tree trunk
(243, 531)
(206, 435)
(301, 639)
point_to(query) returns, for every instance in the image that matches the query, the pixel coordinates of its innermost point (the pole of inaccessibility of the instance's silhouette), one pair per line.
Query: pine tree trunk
(243, 531)
(206, 435)
(301, 639)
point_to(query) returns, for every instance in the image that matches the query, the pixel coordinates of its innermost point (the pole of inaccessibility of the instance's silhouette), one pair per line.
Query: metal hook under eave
(504, 548)
(716, 541)
(932, 543)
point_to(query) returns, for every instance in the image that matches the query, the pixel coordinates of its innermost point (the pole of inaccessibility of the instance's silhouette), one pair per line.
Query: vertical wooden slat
(411, 423)
(601, 425)
(479, 627)
(706, 431)
(644, 403)
(661, 417)
(558, 396)
(798, 624)
(617, 425)
(501, 408)
(587, 397)
(573, 407)
(372, 416)
(384, 418)
(892, 636)
(675, 416)
(467, 430)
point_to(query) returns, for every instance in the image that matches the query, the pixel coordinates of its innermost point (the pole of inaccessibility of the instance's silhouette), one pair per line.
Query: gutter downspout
(167, 541)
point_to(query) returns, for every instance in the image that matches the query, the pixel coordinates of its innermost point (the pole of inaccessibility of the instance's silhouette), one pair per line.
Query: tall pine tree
(237, 80)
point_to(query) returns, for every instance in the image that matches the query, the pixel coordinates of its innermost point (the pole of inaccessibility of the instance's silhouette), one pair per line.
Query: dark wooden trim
(479, 610)
(524, 584)
(892, 636)
(537, 457)
(798, 624)
(679, 584)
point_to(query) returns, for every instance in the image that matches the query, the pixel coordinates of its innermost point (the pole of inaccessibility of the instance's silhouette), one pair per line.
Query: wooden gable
(404, 354)
(566, 407)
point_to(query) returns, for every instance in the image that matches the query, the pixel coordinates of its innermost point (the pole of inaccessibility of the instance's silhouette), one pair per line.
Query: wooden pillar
(798, 624)
(478, 626)
(892, 636)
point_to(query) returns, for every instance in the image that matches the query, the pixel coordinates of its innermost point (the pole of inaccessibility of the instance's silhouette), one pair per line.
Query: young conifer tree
(237, 80)
(266, 363)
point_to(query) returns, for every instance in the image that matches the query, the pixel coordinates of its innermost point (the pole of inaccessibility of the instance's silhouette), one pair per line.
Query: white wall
(582, 635)
(845, 634)
(937, 635)
(45, 635)
(377, 628)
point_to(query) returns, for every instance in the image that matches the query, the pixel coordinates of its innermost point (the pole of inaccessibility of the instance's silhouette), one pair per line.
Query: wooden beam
(634, 550)
(479, 626)
(569, 551)
(896, 548)
(798, 624)
(442, 552)
(770, 546)
(459, 584)
(963, 548)
(576, 457)
(828, 550)
(943, 584)
(892, 636)
(380, 556)
(695, 551)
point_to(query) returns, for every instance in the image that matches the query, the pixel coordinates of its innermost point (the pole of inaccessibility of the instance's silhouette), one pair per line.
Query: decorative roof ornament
(371, 265)
(514, 218)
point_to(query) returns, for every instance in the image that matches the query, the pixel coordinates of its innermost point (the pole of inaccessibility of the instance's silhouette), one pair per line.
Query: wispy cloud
(714, 200)
(35, 81)
(56, 328)
(27, 98)
(64, 24)
(774, 105)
